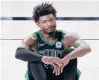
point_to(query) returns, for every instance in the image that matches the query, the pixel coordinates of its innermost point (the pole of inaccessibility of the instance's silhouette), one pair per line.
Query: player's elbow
(16, 56)
(87, 48)
(19, 53)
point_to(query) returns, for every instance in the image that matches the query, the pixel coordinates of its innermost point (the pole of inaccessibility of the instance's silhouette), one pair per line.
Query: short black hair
(43, 9)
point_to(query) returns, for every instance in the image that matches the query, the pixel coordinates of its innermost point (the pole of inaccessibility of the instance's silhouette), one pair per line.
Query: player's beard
(51, 31)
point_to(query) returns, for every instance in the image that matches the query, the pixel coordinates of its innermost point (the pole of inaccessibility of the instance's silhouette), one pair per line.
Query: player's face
(47, 23)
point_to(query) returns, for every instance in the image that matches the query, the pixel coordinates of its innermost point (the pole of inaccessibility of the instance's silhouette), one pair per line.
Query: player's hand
(50, 60)
(59, 69)
(65, 61)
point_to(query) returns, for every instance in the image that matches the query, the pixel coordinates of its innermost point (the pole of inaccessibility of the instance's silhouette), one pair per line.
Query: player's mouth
(50, 29)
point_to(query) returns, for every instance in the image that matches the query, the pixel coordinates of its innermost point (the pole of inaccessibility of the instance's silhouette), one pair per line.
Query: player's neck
(48, 37)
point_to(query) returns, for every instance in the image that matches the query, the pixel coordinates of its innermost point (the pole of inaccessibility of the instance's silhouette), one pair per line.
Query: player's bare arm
(29, 41)
(81, 47)
(23, 51)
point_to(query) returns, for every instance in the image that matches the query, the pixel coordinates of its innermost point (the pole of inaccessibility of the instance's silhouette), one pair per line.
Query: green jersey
(54, 49)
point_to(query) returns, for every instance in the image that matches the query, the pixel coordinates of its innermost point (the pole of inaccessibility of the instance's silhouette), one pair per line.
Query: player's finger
(62, 69)
(59, 71)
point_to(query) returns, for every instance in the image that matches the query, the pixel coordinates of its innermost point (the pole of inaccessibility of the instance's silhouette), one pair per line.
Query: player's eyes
(51, 20)
(44, 21)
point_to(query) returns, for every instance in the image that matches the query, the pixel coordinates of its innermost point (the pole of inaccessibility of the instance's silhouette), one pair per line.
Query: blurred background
(81, 17)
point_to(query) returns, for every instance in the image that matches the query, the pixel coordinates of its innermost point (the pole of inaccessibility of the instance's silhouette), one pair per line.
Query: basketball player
(51, 53)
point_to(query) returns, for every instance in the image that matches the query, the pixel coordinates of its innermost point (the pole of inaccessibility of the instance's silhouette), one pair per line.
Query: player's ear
(37, 23)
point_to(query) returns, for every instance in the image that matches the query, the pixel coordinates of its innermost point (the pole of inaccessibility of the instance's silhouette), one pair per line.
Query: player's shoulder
(34, 34)
(31, 38)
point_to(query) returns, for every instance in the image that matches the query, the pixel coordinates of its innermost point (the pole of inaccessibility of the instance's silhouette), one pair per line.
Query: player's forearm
(27, 55)
(79, 52)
